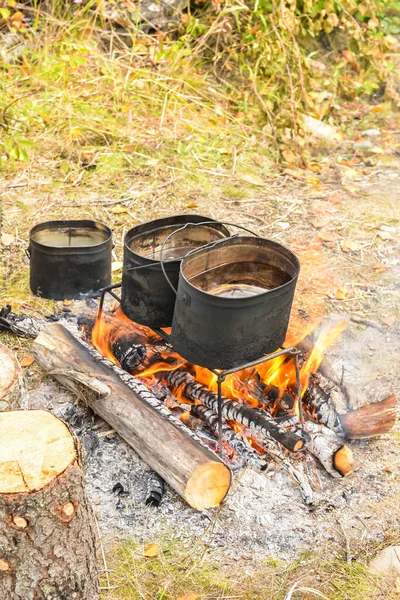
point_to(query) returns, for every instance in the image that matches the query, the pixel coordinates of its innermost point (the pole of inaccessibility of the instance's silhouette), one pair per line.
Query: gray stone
(363, 145)
(387, 565)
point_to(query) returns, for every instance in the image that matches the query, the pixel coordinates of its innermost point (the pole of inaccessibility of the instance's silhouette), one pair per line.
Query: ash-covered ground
(264, 514)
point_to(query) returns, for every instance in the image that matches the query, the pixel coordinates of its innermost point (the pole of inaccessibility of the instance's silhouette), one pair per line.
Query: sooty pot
(234, 301)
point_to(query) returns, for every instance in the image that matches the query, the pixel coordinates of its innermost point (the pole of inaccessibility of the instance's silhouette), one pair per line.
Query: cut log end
(35, 447)
(343, 461)
(208, 485)
(371, 420)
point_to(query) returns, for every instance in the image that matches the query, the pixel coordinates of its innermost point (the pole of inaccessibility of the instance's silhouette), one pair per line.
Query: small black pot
(146, 295)
(234, 301)
(69, 259)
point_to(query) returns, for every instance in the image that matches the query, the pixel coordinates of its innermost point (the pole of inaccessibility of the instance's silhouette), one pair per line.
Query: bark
(162, 440)
(47, 531)
(233, 411)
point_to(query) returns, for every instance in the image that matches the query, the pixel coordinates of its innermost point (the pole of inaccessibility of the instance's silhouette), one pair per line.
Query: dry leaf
(335, 199)
(321, 222)
(350, 245)
(283, 225)
(192, 205)
(385, 235)
(388, 229)
(341, 294)
(7, 239)
(151, 550)
(118, 210)
(188, 597)
(389, 321)
(348, 55)
(116, 266)
(326, 236)
(26, 361)
(379, 267)
(68, 302)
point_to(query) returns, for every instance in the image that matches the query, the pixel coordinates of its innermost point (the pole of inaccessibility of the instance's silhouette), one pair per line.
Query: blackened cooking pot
(69, 259)
(146, 295)
(234, 301)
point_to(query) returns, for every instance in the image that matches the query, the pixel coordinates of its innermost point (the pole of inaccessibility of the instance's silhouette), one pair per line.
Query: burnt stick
(234, 411)
(155, 489)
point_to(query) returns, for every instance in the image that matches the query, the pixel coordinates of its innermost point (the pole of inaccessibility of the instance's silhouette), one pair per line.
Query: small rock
(371, 132)
(363, 145)
(90, 442)
(387, 565)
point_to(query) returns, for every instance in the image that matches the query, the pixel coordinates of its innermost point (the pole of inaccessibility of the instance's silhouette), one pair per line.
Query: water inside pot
(62, 237)
(240, 279)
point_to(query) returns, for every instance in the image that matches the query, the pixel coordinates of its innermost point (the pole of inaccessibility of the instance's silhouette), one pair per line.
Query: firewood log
(233, 411)
(162, 440)
(47, 531)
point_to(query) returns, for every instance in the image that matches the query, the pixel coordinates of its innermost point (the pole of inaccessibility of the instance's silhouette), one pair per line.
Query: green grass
(189, 567)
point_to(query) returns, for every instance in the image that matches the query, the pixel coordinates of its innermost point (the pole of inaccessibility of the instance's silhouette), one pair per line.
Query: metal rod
(253, 363)
(165, 336)
(219, 383)
(298, 385)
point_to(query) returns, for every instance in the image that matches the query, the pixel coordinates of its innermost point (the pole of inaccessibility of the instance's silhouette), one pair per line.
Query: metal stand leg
(298, 385)
(219, 383)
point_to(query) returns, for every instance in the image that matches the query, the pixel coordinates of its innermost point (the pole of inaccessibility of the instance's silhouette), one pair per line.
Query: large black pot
(147, 297)
(69, 259)
(234, 301)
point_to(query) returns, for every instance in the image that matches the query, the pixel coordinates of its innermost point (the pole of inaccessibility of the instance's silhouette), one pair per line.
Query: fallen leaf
(289, 156)
(379, 267)
(326, 236)
(192, 205)
(377, 109)
(348, 56)
(116, 266)
(350, 245)
(118, 210)
(341, 294)
(321, 222)
(283, 225)
(26, 361)
(7, 239)
(253, 179)
(388, 229)
(151, 550)
(188, 597)
(68, 302)
(389, 321)
(385, 235)
(335, 199)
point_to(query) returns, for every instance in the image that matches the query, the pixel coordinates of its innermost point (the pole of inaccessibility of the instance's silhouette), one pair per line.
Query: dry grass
(189, 567)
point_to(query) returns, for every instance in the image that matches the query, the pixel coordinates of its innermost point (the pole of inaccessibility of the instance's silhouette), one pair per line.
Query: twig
(366, 322)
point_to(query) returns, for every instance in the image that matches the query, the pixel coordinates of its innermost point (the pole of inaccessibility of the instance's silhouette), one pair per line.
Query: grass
(188, 567)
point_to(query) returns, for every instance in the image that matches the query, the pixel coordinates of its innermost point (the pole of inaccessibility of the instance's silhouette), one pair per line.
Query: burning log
(162, 441)
(155, 489)
(238, 444)
(47, 530)
(233, 411)
(128, 353)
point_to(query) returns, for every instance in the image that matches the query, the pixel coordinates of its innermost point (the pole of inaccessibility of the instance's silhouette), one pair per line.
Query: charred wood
(329, 449)
(155, 489)
(237, 443)
(128, 352)
(234, 411)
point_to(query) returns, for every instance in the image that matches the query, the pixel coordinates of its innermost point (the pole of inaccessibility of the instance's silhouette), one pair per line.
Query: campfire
(198, 369)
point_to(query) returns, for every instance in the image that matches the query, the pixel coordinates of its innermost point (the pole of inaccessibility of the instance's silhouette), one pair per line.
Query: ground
(341, 215)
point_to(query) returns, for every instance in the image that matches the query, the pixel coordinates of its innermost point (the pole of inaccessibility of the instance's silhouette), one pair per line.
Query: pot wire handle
(209, 245)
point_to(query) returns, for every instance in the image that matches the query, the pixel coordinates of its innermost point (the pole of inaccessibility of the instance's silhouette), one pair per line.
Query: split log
(332, 453)
(370, 420)
(47, 531)
(234, 411)
(162, 441)
(155, 490)
(10, 377)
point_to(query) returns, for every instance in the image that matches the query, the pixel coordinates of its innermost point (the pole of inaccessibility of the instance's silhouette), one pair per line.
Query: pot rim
(181, 220)
(250, 299)
(72, 223)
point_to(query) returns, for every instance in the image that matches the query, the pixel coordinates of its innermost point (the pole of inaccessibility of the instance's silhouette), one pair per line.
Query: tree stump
(10, 371)
(47, 533)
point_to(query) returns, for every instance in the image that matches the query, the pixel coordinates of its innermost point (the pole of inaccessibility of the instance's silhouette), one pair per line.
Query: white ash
(263, 515)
